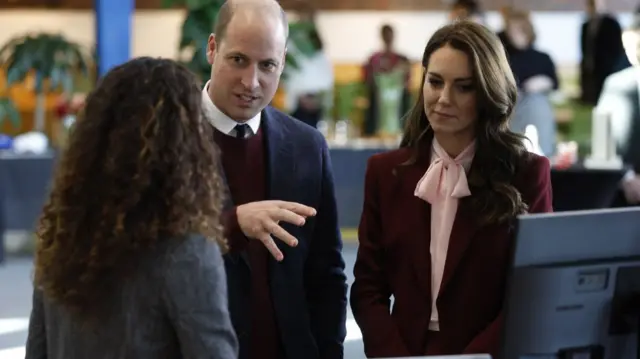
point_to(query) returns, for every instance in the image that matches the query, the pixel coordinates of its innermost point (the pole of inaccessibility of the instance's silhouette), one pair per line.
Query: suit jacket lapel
(464, 228)
(281, 167)
(419, 222)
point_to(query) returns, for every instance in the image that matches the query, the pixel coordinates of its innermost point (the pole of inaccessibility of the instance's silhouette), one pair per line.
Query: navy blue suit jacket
(308, 287)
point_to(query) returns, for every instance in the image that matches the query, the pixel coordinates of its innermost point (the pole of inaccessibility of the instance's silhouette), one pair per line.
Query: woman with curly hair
(437, 222)
(128, 261)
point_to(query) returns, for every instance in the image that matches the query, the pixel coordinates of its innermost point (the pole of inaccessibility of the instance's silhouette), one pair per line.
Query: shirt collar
(465, 158)
(219, 120)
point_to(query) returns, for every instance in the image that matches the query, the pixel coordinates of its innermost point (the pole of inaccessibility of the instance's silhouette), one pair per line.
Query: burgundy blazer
(393, 259)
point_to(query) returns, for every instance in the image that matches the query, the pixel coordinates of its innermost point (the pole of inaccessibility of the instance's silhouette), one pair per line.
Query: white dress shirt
(222, 122)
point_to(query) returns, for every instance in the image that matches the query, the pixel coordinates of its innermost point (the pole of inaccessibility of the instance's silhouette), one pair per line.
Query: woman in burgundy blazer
(437, 224)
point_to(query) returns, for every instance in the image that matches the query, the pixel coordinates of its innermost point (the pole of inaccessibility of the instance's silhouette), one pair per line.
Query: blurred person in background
(310, 87)
(128, 260)
(437, 223)
(602, 50)
(384, 61)
(536, 77)
(466, 10)
(505, 11)
(620, 99)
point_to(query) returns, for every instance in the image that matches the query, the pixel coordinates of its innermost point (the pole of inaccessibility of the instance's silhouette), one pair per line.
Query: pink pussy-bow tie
(445, 176)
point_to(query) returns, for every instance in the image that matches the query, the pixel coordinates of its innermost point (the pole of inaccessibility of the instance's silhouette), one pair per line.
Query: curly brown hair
(500, 153)
(141, 167)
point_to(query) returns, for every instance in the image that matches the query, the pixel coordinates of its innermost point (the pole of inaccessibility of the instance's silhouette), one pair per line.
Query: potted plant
(50, 59)
(200, 21)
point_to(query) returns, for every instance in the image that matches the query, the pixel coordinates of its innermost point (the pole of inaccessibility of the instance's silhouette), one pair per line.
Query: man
(383, 62)
(602, 51)
(620, 99)
(285, 271)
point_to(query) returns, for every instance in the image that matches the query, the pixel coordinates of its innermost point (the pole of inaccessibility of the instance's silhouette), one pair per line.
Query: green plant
(50, 58)
(346, 97)
(9, 112)
(196, 28)
(300, 44)
(199, 24)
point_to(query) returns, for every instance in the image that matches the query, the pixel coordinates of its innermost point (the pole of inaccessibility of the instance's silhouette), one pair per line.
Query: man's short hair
(229, 8)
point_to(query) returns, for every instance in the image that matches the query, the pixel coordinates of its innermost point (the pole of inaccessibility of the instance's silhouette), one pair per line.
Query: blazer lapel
(281, 167)
(463, 231)
(418, 219)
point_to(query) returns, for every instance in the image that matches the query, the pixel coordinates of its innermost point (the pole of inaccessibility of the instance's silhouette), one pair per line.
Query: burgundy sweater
(243, 161)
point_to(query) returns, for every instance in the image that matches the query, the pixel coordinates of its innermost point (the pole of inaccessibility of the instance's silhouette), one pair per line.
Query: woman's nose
(445, 96)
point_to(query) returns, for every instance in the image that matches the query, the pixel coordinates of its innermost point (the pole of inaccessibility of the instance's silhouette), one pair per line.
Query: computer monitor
(578, 189)
(573, 288)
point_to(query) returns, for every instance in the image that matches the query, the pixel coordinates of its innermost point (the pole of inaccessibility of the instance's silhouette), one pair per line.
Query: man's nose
(250, 77)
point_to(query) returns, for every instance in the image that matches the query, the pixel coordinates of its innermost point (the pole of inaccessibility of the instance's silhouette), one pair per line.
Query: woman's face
(518, 34)
(450, 99)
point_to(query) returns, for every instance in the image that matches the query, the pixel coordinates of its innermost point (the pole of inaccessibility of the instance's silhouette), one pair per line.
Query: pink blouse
(444, 183)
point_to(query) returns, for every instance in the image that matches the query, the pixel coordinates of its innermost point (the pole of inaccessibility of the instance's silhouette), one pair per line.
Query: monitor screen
(574, 284)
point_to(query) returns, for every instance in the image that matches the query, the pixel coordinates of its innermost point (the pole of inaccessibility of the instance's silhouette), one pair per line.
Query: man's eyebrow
(240, 54)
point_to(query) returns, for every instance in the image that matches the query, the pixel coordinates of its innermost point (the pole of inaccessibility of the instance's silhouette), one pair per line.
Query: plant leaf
(9, 111)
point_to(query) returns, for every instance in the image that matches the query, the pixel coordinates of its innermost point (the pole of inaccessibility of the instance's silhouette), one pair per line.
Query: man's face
(246, 64)
(387, 37)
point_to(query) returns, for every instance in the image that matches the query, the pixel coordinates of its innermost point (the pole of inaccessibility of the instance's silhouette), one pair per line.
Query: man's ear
(211, 48)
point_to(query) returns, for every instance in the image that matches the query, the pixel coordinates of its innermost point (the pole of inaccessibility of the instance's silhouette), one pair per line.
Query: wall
(349, 35)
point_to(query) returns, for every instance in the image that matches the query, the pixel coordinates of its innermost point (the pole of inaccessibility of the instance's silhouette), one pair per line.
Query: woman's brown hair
(499, 152)
(140, 168)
